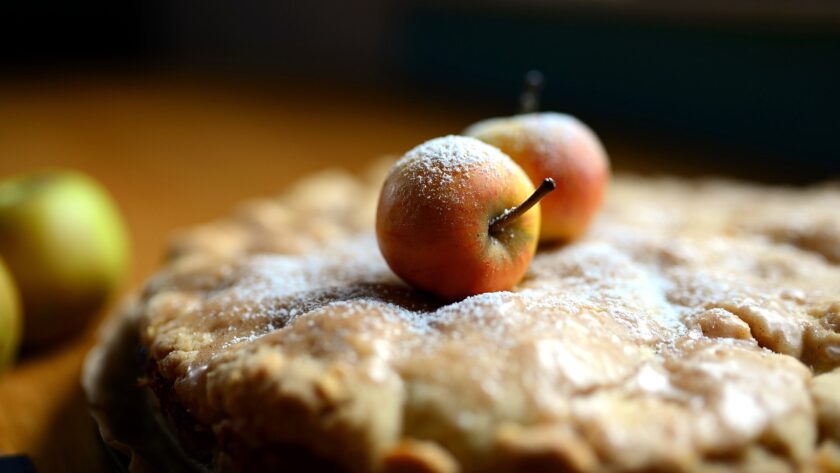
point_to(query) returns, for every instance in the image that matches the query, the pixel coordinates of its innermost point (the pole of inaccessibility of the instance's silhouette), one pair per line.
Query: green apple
(10, 322)
(66, 246)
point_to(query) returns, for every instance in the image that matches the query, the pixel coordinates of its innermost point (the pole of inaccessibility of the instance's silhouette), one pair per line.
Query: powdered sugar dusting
(673, 302)
(449, 153)
(349, 262)
(441, 167)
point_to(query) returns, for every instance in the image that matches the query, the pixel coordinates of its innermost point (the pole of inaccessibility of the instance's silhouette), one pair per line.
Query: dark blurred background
(735, 87)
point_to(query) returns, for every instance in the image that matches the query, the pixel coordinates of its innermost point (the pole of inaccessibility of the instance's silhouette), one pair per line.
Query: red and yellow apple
(457, 217)
(561, 147)
(65, 244)
(10, 321)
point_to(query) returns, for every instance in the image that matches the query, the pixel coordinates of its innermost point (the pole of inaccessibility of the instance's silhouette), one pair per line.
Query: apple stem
(529, 101)
(499, 222)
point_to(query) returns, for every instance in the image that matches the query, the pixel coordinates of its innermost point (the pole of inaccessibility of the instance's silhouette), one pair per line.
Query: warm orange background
(174, 154)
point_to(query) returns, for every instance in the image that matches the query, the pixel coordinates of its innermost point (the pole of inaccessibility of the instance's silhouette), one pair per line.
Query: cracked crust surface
(696, 327)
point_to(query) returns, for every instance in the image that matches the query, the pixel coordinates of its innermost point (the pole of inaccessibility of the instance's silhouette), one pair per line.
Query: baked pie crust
(696, 327)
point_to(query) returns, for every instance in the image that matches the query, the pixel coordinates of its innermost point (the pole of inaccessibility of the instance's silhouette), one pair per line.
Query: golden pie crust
(695, 327)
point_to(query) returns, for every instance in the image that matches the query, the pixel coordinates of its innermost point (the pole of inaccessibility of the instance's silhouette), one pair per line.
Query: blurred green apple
(10, 322)
(65, 244)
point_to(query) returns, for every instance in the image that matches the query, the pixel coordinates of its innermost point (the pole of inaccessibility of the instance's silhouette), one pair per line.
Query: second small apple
(560, 146)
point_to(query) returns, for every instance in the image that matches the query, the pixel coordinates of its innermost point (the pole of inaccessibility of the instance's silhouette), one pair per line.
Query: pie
(696, 327)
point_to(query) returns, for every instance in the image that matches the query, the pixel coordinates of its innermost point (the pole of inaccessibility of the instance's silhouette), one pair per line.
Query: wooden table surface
(174, 154)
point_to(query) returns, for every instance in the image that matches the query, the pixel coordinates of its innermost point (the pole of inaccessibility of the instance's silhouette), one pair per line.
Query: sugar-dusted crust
(696, 327)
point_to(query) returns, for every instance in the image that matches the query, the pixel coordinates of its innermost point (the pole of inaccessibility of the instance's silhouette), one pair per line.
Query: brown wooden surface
(174, 154)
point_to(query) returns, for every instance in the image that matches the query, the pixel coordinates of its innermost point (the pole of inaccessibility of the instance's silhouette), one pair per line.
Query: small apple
(456, 217)
(65, 245)
(563, 148)
(10, 318)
